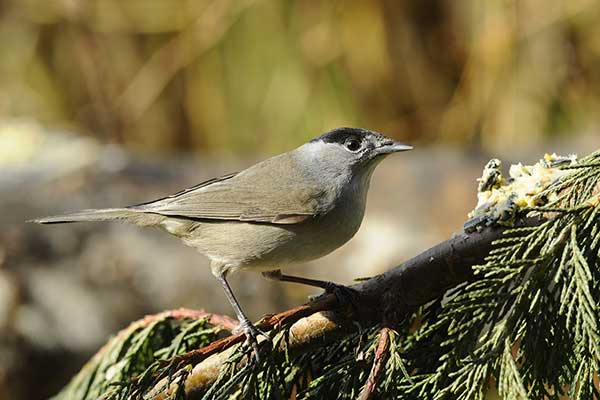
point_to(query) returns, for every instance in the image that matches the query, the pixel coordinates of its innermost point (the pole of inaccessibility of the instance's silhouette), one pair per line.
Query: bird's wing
(263, 193)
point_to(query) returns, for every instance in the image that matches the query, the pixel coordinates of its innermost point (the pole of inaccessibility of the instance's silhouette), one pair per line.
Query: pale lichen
(499, 198)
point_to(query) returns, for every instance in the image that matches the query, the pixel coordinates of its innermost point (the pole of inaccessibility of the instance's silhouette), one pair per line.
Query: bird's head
(355, 147)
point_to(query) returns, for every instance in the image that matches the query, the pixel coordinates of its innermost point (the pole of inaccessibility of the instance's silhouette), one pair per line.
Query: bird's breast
(325, 233)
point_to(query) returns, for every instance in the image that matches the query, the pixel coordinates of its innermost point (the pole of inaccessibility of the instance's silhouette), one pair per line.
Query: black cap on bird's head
(363, 142)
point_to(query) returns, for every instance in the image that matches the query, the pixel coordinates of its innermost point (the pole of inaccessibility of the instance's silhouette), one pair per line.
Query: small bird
(291, 208)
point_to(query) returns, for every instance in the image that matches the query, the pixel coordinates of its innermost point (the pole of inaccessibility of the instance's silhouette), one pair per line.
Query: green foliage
(137, 357)
(526, 324)
(529, 319)
(328, 372)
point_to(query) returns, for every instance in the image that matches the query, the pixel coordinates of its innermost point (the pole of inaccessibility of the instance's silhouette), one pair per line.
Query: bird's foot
(252, 335)
(345, 295)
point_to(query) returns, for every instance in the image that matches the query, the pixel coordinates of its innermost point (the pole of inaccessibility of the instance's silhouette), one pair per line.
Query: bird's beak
(393, 147)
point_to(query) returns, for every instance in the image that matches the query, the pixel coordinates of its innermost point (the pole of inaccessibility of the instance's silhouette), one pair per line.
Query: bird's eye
(352, 144)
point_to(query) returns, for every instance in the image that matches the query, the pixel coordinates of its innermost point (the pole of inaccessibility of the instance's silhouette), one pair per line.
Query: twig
(381, 355)
(268, 322)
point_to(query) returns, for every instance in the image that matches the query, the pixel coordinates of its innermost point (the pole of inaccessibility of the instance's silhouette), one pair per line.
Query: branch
(386, 299)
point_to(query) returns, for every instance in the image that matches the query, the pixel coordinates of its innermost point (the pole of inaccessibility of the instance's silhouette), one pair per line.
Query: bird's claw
(252, 334)
(345, 295)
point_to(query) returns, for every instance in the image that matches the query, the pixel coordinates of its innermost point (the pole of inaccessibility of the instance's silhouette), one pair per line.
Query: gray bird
(291, 208)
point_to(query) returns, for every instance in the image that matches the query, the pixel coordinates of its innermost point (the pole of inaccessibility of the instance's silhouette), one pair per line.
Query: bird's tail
(105, 214)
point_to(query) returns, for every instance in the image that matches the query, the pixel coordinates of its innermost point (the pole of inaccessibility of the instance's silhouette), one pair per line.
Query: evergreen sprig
(138, 358)
(529, 319)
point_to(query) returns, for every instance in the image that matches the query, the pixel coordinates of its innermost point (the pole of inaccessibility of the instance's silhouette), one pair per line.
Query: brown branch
(327, 302)
(385, 299)
(381, 355)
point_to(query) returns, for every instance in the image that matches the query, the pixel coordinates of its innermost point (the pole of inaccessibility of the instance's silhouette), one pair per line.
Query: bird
(288, 209)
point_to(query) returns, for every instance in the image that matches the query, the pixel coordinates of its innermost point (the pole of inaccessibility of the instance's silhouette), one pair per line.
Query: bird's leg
(276, 275)
(252, 332)
(344, 294)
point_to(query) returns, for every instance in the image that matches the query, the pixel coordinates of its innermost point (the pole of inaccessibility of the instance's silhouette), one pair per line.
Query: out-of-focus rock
(64, 312)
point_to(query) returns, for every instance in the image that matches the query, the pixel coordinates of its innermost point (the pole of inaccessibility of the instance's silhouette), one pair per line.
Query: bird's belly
(264, 247)
(324, 236)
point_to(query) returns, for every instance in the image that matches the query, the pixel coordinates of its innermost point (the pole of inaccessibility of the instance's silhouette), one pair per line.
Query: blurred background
(111, 102)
